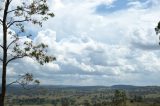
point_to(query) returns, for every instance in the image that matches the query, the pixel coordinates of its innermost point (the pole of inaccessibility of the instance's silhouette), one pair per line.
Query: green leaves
(37, 52)
(29, 49)
(27, 79)
(35, 12)
(50, 14)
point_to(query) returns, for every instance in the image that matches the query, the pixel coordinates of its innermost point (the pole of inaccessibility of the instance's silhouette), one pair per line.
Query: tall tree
(15, 14)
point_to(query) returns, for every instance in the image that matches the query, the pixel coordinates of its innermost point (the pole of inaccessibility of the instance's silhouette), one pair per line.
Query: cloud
(119, 47)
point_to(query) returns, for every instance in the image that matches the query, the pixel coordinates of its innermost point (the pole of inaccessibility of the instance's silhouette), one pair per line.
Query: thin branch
(12, 43)
(1, 22)
(16, 22)
(12, 10)
(1, 46)
(22, 83)
(25, 86)
(12, 83)
(18, 9)
(16, 81)
(10, 1)
(16, 57)
(11, 19)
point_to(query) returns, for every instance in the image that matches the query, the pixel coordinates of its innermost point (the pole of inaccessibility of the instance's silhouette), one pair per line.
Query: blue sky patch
(117, 6)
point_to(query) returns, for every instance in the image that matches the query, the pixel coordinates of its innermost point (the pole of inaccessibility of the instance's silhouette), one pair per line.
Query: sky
(97, 42)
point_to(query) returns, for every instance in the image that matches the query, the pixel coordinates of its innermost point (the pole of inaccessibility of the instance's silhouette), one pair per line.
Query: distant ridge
(124, 87)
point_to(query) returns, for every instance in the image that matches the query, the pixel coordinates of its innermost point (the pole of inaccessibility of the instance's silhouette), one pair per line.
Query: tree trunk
(4, 67)
(3, 85)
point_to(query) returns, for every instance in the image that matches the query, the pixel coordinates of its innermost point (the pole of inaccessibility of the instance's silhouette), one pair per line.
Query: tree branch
(16, 22)
(24, 86)
(10, 1)
(18, 9)
(16, 81)
(11, 19)
(12, 43)
(12, 83)
(15, 57)
(1, 46)
(12, 10)
(25, 81)
(1, 22)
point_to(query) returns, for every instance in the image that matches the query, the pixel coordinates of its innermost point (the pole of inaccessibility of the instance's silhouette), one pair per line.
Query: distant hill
(17, 88)
(127, 87)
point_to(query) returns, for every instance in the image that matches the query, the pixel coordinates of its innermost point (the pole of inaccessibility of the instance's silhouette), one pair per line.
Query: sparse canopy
(16, 16)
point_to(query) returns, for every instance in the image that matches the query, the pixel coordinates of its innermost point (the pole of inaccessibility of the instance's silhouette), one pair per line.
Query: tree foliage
(26, 81)
(14, 17)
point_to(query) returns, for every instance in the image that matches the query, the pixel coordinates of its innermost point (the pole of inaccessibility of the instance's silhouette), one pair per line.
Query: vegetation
(13, 21)
(15, 18)
(119, 98)
(84, 96)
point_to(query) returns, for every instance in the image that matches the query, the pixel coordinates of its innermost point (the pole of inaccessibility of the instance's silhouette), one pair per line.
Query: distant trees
(138, 98)
(15, 17)
(65, 102)
(86, 103)
(119, 98)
